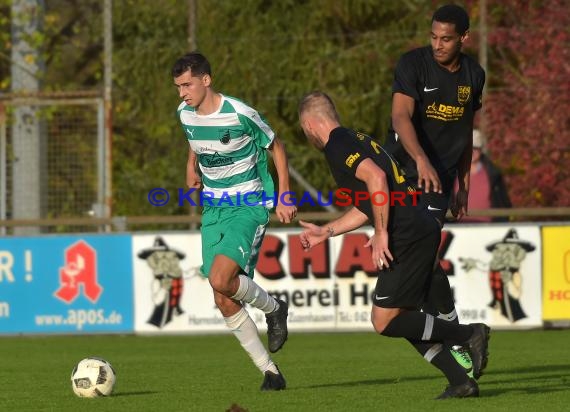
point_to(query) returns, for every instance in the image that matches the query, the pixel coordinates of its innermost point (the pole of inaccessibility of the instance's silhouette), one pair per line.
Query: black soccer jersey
(344, 151)
(445, 104)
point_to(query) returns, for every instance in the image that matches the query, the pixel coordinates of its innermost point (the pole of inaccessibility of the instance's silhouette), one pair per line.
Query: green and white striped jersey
(231, 147)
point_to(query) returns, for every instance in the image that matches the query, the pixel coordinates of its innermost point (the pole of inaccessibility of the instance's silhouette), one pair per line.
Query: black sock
(422, 326)
(439, 356)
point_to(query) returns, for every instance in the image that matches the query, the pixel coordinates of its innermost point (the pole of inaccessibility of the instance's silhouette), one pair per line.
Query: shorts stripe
(255, 245)
(428, 327)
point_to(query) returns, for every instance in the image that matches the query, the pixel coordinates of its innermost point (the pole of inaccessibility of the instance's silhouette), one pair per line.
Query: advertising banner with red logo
(556, 273)
(66, 284)
(494, 271)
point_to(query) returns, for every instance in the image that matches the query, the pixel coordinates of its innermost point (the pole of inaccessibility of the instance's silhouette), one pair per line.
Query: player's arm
(375, 178)
(193, 179)
(313, 234)
(402, 112)
(459, 207)
(285, 212)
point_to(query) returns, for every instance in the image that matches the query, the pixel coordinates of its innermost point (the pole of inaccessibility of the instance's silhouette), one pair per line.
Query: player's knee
(379, 322)
(379, 326)
(382, 317)
(219, 283)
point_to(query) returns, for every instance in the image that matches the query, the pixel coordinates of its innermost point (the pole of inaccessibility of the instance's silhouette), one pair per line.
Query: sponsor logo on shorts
(431, 208)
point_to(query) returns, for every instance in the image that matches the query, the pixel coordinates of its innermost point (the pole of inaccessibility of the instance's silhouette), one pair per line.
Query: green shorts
(235, 232)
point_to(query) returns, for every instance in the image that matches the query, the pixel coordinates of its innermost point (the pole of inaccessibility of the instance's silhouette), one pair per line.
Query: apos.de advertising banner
(66, 284)
(494, 272)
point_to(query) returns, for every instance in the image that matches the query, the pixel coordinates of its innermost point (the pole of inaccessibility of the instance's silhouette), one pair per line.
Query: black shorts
(406, 282)
(437, 204)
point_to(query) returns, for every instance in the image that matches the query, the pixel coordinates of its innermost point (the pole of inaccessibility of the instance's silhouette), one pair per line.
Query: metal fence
(52, 159)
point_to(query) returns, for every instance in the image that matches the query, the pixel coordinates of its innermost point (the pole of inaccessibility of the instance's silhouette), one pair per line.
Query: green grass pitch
(528, 370)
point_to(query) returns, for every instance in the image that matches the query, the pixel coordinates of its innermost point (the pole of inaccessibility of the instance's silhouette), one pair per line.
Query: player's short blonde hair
(318, 103)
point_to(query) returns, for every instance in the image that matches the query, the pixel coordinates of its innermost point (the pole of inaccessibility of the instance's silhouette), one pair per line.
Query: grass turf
(528, 370)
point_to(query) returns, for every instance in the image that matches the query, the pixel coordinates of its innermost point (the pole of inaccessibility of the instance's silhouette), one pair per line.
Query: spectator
(487, 189)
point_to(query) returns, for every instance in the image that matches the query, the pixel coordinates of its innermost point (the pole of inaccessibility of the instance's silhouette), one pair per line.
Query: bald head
(318, 117)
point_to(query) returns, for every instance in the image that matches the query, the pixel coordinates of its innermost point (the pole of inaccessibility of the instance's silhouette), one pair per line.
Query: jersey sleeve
(346, 156)
(406, 77)
(258, 128)
(478, 97)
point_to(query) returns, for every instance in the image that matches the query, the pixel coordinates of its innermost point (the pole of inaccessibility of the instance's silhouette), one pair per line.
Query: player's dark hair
(194, 62)
(451, 13)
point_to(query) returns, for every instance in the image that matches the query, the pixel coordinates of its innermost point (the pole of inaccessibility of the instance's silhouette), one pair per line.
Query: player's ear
(464, 37)
(207, 80)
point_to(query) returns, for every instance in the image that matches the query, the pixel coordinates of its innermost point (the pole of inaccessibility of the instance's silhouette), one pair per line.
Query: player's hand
(285, 213)
(459, 206)
(286, 209)
(427, 177)
(312, 235)
(193, 180)
(381, 255)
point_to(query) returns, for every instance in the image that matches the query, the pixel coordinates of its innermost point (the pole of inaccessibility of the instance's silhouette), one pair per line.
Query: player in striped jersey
(228, 143)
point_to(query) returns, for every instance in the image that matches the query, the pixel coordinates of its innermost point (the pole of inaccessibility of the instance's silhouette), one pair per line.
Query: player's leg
(241, 231)
(404, 285)
(223, 274)
(243, 327)
(440, 301)
(253, 221)
(421, 326)
(460, 385)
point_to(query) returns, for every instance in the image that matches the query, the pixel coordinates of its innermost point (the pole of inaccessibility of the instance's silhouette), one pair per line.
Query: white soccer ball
(93, 377)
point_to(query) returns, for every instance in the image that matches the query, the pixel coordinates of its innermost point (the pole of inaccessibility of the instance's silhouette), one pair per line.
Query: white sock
(245, 331)
(250, 292)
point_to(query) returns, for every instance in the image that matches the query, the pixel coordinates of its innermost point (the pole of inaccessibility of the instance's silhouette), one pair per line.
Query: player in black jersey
(404, 244)
(436, 92)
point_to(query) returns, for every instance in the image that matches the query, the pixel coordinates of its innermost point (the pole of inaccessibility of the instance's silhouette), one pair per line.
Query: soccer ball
(93, 377)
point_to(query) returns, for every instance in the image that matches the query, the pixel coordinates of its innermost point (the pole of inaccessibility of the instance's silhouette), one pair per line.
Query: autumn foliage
(528, 100)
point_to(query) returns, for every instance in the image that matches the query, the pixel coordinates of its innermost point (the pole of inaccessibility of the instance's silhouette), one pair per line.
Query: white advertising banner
(494, 271)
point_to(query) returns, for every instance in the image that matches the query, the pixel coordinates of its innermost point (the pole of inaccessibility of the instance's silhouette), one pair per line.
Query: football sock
(440, 357)
(450, 317)
(423, 326)
(250, 292)
(245, 330)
